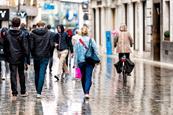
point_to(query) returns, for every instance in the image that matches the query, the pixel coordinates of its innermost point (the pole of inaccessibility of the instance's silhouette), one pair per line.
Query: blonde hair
(123, 28)
(84, 31)
(41, 24)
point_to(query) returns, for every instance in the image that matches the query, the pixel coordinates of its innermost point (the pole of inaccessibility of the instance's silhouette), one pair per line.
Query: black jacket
(63, 42)
(41, 43)
(27, 36)
(15, 46)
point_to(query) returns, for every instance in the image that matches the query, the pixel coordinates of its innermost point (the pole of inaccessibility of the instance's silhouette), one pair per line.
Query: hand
(72, 54)
(26, 67)
(56, 45)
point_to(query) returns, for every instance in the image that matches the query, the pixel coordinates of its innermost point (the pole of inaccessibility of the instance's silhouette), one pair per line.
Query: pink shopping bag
(78, 74)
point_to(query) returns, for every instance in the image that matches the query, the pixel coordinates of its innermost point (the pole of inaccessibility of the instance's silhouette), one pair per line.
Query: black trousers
(13, 77)
(122, 54)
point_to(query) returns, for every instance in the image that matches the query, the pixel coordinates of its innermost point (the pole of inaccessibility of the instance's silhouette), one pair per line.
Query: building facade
(26, 9)
(147, 20)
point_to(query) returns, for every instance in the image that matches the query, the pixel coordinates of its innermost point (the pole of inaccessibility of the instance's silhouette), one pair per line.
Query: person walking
(3, 31)
(63, 45)
(15, 51)
(41, 43)
(52, 48)
(27, 35)
(86, 68)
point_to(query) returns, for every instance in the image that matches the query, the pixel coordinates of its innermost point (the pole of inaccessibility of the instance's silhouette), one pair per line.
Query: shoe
(128, 74)
(87, 96)
(38, 96)
(3, 78)
(24, 95)
(56, 78)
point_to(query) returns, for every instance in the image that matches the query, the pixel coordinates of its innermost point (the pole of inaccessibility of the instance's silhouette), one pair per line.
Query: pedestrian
(41, 44)
(52, 49)
(63, 46)
(27, 36)
(15, 51)
(86, 68)
(123, 42)
(76, 37)
(3, 31)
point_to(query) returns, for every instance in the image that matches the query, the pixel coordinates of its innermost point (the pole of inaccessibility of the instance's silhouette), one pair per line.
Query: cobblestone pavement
(149, 91)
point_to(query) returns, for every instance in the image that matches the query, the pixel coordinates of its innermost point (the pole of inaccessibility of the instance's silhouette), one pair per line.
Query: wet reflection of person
(86, 109)
(38, 107)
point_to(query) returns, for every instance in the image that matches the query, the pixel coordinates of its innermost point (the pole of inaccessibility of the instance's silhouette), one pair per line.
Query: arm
(56, 39)
(130, 39)
(69, 42)
(32, 47)
(25, 46)
(93, 43)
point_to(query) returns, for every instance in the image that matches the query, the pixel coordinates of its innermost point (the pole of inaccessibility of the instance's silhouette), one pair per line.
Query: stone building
(147, 20)
(26, 9)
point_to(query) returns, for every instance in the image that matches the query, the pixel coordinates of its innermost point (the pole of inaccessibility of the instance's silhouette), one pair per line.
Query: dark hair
(34, 26)
(61, 26)
(48, 26)
(15, 22)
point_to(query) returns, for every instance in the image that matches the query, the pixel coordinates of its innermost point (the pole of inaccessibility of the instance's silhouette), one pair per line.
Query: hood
(14, 32)
(40, 31)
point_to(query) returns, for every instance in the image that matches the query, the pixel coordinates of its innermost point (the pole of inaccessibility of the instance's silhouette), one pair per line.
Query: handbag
(90, 55)
(78, 74)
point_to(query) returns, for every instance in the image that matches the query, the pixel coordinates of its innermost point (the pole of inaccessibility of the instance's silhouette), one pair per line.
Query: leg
(50, 64)
(88, 76)
(63, 55)
(13, 73)
(42, 72)
(82, 69)
(120, 55)
(36, 69)
(127, 55)
(22, 78)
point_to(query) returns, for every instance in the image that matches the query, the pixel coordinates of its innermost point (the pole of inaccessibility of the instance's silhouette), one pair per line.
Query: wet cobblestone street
(149, 91)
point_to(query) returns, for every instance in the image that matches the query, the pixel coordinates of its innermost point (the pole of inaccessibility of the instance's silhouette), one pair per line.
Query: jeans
(40, 67)
(13, 78)
(86, 70)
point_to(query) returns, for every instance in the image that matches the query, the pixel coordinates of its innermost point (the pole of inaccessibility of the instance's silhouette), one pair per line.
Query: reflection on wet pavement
(149, 91)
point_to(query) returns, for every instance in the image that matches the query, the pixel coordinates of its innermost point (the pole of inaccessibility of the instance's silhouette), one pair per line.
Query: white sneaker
(3, 78)
(39, 96)
(87, 96)
(24, 95)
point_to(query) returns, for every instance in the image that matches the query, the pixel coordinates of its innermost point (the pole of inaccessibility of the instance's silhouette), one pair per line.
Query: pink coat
(124, 42)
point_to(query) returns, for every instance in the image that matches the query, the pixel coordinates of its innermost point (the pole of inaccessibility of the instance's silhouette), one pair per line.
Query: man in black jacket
(27, 36)
(63, 45)
(41, 44)
(52, 49)
(15, 51)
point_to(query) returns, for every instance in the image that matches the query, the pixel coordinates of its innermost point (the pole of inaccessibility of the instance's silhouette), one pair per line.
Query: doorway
(156, 32)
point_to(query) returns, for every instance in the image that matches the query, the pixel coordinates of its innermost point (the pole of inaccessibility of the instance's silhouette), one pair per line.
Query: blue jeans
(86, 70)
(40, 71)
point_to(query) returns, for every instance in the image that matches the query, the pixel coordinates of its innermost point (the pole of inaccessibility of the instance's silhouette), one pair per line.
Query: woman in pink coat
(123, 42)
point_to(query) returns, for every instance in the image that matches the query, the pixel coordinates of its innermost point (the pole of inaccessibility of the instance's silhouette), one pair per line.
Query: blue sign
(108, 43)
(48, 6)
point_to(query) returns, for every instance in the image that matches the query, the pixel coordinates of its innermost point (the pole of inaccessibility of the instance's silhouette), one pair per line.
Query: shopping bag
(78, 74)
